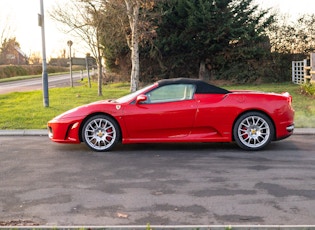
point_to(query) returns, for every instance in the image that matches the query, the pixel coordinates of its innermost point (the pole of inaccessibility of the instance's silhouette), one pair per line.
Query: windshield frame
(132, 96)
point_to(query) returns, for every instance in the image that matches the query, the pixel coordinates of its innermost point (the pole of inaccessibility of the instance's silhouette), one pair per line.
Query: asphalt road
(53, 184)
(36, 83)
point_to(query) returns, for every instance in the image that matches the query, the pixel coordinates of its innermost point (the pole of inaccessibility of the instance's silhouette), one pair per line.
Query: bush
(308, 89)
(7, 71)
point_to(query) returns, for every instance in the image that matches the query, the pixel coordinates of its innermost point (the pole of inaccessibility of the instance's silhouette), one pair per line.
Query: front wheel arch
(95, 114)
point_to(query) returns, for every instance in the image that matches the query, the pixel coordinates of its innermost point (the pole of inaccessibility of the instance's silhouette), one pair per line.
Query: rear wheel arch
(258, 111)
(236, 136)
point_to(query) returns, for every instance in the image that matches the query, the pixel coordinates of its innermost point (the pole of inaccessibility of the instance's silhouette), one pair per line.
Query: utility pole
(41, 23)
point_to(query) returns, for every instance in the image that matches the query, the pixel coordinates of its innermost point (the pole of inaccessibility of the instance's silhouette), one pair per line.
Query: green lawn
(25, 110)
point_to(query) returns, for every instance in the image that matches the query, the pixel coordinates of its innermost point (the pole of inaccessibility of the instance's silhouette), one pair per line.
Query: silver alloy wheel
(253, 131)
(100, 133)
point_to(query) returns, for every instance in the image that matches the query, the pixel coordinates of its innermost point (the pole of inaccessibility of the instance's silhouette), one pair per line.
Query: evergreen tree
(210, 33)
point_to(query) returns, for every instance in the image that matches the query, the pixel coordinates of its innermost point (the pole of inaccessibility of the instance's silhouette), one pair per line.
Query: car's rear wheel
(253, 131)
(100, 133)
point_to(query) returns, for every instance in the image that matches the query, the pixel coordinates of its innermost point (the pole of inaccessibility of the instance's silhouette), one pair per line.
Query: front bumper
(64, 132)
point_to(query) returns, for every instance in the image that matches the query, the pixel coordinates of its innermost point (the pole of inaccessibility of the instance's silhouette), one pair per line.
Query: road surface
(54, 184)
(36, 83)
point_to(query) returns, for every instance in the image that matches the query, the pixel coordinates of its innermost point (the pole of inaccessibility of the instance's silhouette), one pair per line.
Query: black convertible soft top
(202, 87)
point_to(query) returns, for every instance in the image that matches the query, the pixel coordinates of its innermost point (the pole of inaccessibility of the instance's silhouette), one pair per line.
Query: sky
(21, 16)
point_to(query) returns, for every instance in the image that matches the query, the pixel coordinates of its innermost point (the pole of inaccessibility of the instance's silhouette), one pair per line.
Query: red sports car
(178, 110)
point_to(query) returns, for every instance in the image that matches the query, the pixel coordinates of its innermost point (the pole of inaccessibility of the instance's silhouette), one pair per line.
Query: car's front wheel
(253, 131)
(100, 133)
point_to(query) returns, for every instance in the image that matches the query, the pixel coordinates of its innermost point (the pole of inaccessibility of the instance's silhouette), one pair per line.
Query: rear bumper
(290, 128)
(285, 131)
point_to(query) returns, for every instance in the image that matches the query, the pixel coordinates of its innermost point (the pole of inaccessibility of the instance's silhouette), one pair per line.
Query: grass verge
(25, 110)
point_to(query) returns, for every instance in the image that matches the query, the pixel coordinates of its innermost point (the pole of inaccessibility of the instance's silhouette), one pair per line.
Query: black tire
(253, 131)
(100, 133)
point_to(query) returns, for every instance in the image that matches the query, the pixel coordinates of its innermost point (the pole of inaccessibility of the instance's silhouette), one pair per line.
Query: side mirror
(141, 98)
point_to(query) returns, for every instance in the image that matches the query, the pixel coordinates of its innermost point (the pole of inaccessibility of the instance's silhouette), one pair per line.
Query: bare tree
(87, 19)
(6, 30)
(138, 29)
(83, 19)
(125, 14)
(141, 30)
(305, 33)
(282, 35)
(295, 37)
(6, 34)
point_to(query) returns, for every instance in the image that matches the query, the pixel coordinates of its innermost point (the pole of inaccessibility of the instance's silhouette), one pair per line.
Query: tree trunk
(205, 70)
(100, 76)
(133, 15)
(99, 64)
(202, 70)
(135, 69)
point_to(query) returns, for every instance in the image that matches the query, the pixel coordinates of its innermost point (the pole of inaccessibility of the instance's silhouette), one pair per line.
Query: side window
(171, 93)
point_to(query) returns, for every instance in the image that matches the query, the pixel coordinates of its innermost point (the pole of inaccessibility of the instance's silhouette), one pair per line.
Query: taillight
(290, 100)
(289, 97)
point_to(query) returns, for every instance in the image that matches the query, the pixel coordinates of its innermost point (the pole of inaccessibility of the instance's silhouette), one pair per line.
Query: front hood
(109, 101)
(84, 110)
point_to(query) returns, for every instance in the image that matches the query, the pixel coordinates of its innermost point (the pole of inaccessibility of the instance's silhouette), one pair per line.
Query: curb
(304, 131)
(24, 132)
(44, 132)
(166, 227)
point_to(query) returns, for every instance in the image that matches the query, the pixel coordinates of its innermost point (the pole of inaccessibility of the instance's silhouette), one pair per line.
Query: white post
(293, 72)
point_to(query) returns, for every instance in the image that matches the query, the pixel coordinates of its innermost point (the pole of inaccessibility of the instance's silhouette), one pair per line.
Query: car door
(167, 114)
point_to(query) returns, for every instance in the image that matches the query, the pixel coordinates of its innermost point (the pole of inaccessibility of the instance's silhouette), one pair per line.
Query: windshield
(131, 96)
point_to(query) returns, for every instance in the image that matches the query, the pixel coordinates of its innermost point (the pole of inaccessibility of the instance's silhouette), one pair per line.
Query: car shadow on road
(171, 148)
(177, 146)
